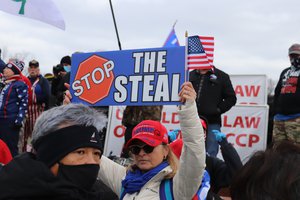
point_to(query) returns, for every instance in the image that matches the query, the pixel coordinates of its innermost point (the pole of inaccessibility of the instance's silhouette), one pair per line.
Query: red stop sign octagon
(93, 79)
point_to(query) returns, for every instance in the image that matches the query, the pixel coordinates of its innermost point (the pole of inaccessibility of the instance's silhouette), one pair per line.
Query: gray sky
(251, 37)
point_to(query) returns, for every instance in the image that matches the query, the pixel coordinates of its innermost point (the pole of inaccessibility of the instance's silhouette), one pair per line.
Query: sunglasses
(9, 65)
(137, 149)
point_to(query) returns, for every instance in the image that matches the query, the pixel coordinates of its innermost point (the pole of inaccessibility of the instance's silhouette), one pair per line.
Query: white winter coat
(188, 178)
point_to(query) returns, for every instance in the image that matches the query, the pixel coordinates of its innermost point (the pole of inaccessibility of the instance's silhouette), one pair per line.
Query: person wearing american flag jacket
(13, 104)
(38, 100)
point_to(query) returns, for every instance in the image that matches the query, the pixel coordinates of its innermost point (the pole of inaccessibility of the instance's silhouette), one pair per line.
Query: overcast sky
(251, 37)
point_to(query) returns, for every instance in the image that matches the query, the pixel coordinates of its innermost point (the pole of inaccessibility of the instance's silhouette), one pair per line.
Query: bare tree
(271, 87)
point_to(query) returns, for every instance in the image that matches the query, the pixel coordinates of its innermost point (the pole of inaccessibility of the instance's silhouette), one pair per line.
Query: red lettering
(242, 122)
(225, 121)
(253, 139)
(163, 119)
(175, 119)
(238, 140)
(250, 103)
(249, 90)
(239, 90)
(119, 116)
(243, 139)
(252, 122)
(228, 135)
(253, 103)
(238, 122)
(253, 91)
(119, 131)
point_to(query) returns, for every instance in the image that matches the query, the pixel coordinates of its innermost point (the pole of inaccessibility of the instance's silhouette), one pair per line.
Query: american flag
(200, 52)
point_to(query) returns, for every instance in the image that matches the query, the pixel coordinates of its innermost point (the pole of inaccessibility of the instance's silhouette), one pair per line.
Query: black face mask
(83, 176)
(295, 62)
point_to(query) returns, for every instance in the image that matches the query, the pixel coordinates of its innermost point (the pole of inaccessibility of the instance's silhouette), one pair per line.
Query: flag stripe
(200, 52)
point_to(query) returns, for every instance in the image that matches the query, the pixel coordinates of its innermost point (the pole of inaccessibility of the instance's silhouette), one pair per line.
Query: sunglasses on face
(135, 149)
(9, 65)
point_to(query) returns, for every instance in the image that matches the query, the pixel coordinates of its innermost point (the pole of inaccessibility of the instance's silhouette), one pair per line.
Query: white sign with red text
(115, 131)
(250, 89)
(245, 127)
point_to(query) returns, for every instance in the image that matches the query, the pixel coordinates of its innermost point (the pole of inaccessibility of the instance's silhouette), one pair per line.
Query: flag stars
(194, 45)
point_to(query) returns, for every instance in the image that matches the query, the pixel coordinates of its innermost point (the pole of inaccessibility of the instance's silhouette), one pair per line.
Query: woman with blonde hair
(154, 162)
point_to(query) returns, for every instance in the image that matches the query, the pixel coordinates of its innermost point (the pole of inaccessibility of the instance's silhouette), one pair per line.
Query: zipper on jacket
(200, 87)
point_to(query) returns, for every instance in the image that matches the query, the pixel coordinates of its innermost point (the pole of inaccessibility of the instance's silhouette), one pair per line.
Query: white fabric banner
(245, 127)
(42, 10)
(250, 89)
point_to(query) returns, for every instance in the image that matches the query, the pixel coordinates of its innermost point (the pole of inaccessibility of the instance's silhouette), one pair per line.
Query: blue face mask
(67, 68)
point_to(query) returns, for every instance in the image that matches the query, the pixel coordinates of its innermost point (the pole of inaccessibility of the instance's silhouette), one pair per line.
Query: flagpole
(186, 53)
(116, 29)
(174, 24)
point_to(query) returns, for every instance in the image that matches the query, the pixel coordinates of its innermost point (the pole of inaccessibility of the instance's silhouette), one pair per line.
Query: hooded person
(65, 63)
(13, 104)
(67, 152)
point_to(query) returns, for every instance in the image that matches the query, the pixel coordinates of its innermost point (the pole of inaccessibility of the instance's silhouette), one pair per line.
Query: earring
(165, 157)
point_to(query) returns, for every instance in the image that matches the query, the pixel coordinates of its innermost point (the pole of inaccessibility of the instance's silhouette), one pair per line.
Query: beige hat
(294, 49)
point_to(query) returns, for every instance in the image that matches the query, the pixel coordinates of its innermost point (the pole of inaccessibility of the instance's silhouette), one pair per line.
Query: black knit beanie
(54, 146)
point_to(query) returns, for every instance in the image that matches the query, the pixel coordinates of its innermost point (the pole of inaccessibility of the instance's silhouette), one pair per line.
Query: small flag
(42, 10)
(172, 40)
(200, 52)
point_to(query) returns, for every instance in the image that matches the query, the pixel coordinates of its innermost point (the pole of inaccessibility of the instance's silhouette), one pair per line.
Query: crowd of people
(24, 98)
(52, 149)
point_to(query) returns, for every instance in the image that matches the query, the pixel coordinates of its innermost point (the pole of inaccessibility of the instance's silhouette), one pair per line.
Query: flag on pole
(172, 40)
(42, 10)
(200, 52)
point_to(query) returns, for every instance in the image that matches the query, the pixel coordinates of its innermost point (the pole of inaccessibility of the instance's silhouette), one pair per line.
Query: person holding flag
(215, 93)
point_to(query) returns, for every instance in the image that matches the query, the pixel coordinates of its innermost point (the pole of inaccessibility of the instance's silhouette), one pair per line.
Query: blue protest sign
(128, 77)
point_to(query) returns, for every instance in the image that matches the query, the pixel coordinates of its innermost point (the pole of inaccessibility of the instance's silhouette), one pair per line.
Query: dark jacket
(215, 94)
(41, 90)
(60, 88)
(287, 92)
(221, 172)
(25, 178)
(2, 65)
(13, 102)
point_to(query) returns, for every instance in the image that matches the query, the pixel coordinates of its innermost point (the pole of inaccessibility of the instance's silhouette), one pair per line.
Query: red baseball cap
(153, 133)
